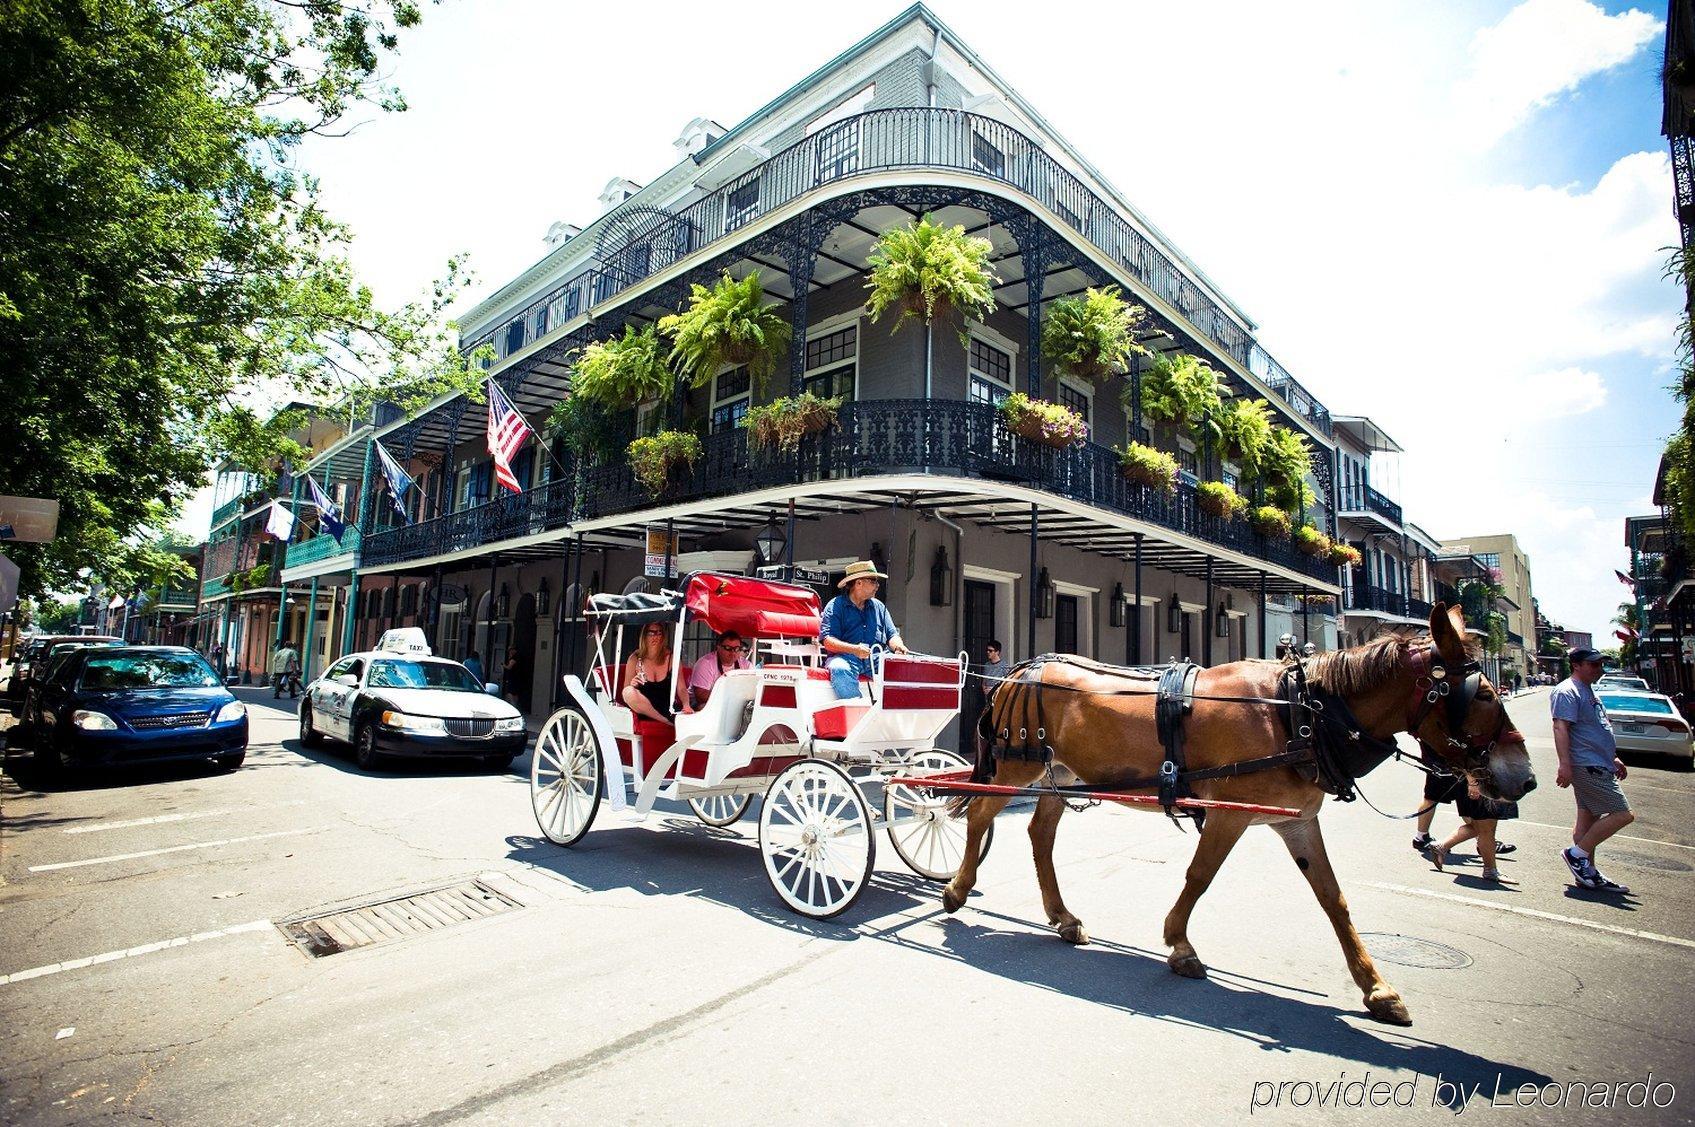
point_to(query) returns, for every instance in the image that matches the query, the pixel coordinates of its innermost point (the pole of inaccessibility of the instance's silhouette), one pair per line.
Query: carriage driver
(853, 622)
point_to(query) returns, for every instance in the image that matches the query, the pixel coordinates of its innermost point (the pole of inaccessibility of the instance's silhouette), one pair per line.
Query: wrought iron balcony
(1364, 597)
(322, 547)
(1515, 638)
(872, 438)
(880, 141)
(1365, 499)
(1419, 609)
(225, 512)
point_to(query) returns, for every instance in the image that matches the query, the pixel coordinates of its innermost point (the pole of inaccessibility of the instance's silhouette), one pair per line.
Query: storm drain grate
(1410, 951)
(365, 925)
(1645, 861)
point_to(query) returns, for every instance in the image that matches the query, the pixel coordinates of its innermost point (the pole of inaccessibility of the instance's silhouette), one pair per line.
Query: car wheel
(309, 735)
(365, 748)
(497, 762)
(231, 761)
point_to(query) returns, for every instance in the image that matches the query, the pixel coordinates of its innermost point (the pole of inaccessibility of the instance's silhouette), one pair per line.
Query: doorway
(1065, 614)
(979, 631)
(524, 646)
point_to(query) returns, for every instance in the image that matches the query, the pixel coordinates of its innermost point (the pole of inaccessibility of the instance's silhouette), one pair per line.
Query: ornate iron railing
(1364, 498)
(872, 438)
(323, 546)
(1365, 597)
(1418, 608)
(878, 141)
(225, 512)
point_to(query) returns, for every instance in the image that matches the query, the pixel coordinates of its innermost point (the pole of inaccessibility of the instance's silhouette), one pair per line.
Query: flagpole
(534, 433)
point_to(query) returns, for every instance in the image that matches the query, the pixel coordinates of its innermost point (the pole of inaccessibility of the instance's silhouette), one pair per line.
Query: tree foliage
(166, 271)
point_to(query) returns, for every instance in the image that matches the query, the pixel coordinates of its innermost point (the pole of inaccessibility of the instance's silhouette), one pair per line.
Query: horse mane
(1360, 669)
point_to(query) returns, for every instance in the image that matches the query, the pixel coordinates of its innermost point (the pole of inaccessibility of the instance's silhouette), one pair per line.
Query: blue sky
(1443, 215)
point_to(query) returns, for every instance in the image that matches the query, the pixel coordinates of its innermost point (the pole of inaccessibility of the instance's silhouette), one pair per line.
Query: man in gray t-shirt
(1589, 764)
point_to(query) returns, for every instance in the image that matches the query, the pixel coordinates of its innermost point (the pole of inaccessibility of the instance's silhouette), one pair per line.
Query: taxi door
(332, 702)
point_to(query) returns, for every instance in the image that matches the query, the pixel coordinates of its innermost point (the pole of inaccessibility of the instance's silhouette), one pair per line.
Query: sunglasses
(728, 648)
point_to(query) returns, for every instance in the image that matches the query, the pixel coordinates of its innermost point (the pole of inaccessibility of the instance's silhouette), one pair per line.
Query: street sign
(32, 519)
(659, 552)
(816, 576)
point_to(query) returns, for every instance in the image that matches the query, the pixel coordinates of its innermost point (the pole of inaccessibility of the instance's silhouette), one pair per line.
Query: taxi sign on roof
(404, 640)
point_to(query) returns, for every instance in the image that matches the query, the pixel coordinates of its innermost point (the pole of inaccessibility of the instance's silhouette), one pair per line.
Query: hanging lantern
(1044, 595)
(1115, 608)
(1174, 615)
(771, 542)
(544, 599)
(1221, 622)
(503, 604)
(941, 579)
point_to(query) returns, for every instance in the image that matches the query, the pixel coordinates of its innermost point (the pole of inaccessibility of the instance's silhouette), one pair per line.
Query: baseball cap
(1582, 654)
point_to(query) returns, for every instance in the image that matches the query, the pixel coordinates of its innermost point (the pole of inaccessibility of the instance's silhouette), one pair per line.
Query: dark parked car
(136, 704)
(33, 658)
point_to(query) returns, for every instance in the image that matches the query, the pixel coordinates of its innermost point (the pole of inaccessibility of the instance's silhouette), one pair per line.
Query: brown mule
(1102, 730)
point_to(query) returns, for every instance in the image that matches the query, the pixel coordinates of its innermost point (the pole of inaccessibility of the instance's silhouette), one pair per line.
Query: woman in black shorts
(1480, 817)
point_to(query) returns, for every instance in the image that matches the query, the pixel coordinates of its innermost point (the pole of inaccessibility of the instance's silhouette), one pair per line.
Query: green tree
(166, 271)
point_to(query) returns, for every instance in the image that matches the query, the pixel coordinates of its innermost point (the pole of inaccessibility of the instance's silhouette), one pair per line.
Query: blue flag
(399, 481)
(329, 517)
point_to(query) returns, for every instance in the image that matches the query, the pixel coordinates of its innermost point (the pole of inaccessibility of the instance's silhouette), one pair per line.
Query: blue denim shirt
(869, 625)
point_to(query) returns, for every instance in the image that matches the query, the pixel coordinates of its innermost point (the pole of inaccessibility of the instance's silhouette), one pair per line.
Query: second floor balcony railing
(872, 438)
(1365, 499)
(889, 139)
(323, 546)
(1364, 597)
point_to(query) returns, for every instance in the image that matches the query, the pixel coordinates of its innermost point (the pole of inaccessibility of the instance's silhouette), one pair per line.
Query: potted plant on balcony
(1284, 461)
(1091, 334)
(784, 422)
(1270, 522)
(1310, 541)
(654, 460)
(1184, 391)
(729, 324)
(927, 268)
(587, 427)
(1245, 425)
(1219, 499)
(1051, 424)
(1146, 466)
(623, 371)
(1345, 555)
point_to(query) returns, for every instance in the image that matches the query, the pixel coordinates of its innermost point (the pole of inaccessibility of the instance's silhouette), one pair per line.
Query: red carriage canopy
(752, 606)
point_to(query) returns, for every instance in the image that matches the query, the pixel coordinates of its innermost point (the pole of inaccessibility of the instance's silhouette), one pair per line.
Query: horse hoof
(1188, 966)
(951, 900)
(1389, 1009)
(1074, 934)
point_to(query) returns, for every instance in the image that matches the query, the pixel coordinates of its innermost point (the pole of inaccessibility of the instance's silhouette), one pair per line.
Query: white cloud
(1540, 50)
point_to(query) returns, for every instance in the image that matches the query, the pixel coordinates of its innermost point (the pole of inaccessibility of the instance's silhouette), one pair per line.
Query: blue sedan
(136, 704)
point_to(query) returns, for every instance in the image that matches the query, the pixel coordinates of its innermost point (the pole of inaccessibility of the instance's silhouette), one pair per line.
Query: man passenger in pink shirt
(727, 654)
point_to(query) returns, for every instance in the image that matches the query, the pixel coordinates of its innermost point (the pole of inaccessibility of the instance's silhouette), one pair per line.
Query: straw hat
(862, 569)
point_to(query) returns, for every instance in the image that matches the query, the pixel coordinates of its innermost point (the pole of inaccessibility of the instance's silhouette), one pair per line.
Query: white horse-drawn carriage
(776, 728)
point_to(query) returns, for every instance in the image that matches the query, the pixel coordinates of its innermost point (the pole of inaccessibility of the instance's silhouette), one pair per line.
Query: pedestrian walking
(995, 665)
(1442, 786)
(285, 671)
(1479, 817)
(1590, 766)
(474, 664)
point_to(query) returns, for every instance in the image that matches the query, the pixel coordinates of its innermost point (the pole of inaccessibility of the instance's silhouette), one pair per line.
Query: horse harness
(1324, 742)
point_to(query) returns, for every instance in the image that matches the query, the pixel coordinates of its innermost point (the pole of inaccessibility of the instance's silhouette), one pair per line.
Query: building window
(741, 204)
(832, 362)
(991, 372)
(1079, 400)
(985, 157)
(572, 297)
(732, 392)
(1230, 477)
(647, 419)
(541, 323)
(1068, 215)
(838, 152)
(515, 336)
(1187, 461)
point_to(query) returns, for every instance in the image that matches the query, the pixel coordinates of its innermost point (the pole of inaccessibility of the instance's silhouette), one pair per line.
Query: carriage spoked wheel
(566, 782)
(720, 810)
(815, 837)
(928, 839)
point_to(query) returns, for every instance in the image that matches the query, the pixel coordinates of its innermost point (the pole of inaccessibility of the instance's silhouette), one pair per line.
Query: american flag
(506, 433)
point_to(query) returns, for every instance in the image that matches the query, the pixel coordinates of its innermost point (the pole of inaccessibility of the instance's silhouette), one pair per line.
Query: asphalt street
(651, 975)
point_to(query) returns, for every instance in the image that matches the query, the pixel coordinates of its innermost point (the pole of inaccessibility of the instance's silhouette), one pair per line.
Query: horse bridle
(1436, 682)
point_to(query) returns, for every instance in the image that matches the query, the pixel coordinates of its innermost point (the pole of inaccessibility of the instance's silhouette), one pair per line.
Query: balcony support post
(488, 620)
(1306, 623)
(803, 260)
(311, 628)
(1136, 615)
(1208, 627)
(1264, 650)
(575, 592)
(1030, 635)
(1032, 247)
(353, 572)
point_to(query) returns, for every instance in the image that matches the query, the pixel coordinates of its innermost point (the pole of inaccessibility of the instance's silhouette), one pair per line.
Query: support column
(488, 622)
(576, 593)
(1030, 636)
(353, 572)
(1306, 627)
(803, 259)
(789, 545)
(1208, 628)
(1136, 615)
(1034, 251)
(311, 628)
(1264, 648)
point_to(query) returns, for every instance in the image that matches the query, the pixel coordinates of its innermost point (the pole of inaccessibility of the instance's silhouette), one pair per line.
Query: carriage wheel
(928, 839)
(720, 809)
(566, 782)
(815, 837)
